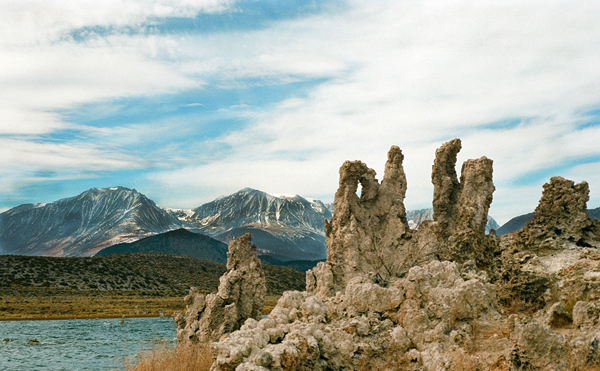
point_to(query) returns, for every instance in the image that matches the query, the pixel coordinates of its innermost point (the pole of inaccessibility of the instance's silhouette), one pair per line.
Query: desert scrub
(165, 357)
(149, 274)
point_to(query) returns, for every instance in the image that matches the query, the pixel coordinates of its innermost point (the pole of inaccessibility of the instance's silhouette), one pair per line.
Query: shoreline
(66, 318)
(43, 308)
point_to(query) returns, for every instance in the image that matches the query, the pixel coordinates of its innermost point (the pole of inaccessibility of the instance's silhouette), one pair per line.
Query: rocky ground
(443, 297)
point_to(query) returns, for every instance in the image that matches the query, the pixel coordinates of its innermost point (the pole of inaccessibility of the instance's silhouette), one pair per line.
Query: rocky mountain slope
(518, 222)
(82, 225)
(177, 242)
(443, 297)
(285, 227)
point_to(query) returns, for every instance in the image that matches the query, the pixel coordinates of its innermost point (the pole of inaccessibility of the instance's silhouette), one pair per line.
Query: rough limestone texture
(241, 295)
(555, 254)
(445, 297)
(383, 298)
(370, 234)
(460, 208)
(560, 220)
(418, 320)
(366, 231)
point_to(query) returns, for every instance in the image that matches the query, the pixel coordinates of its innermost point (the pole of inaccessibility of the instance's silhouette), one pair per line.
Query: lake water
(94, 345)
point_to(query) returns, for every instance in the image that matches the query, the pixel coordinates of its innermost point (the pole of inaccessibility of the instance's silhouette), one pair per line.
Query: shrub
(163, 357)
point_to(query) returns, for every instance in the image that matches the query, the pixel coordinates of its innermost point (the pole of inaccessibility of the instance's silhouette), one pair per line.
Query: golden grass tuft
(165, 357)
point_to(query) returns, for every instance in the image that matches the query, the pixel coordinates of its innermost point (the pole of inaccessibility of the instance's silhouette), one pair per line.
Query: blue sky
(190, 100)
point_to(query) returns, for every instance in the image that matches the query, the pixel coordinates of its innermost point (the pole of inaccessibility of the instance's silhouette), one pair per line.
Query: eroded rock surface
(417, 320)
(241, 295)
(555, 253)
(460, 209)
(366, 231)
(370, 233)
(560, 220)
(445, 297)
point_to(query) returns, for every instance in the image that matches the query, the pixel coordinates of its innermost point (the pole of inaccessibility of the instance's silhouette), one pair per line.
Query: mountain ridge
(83, 224)
(286, 228)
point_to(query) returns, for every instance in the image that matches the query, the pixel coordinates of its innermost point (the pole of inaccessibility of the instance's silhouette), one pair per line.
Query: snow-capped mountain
(82, 225)
(285, 227)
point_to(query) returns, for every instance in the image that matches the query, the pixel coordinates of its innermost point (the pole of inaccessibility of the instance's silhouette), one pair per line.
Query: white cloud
(33, 156)
(32, 22)
(43, 68)
(195, 185)
(38, 81)
(416, 74)
(412, 74)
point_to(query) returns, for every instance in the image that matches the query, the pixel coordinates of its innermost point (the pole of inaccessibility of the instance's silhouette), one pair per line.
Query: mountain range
(103, 221)
(195, 245)
(82, 225)
(285, 227)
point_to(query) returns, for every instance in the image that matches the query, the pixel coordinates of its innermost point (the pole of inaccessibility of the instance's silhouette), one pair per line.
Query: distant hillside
(196, 245)
(144, 273)
(300, 265)
(514, 224)
(178, 242)
(518, 222)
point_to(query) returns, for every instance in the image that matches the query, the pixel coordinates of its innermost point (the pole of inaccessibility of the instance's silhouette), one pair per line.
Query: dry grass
(82, 304)
(164, 357)
(270, 303)
(583, 360)
(198, 357)
(78, 304)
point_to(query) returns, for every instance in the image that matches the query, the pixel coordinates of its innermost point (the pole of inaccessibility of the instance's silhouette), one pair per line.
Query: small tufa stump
(241, 295)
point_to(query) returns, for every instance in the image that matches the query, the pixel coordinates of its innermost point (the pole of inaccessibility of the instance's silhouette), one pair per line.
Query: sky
(189, 100)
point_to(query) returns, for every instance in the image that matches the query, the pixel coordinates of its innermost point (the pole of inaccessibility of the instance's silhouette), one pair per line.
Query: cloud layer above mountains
(189, 100)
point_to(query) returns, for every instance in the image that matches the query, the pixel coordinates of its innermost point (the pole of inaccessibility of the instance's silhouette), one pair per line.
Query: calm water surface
(95, 345)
